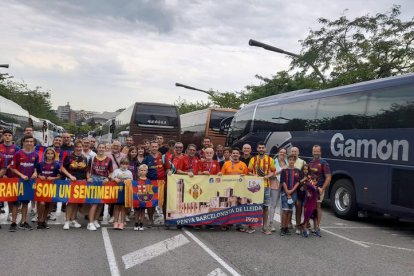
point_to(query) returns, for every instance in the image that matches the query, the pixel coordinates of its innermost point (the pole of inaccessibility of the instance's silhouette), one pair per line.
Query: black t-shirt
(76, 166)
(246, 160)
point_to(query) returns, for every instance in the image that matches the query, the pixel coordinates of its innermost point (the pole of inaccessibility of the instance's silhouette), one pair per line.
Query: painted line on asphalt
(110, 253)
(277, 218)
(389, 246)
(349, 227)
(217, 272)
(212, 254)
(147, 253)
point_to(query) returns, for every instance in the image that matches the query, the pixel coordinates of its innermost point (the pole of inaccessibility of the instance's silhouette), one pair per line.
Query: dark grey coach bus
(143, 120)
(366, 131)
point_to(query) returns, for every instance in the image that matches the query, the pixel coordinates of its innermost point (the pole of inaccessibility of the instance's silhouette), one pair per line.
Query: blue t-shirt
(290, 177)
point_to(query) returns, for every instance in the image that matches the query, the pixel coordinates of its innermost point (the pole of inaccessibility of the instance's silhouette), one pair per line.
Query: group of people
(287, 178)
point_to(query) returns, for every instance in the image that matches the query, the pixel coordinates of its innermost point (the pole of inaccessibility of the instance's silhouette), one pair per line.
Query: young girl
(133, 161)
(100, 169)
(48, 169)
(312, 195)
(140, 212)
(119, 175)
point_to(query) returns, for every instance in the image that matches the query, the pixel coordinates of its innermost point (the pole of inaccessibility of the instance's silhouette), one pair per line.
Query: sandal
(266, 231)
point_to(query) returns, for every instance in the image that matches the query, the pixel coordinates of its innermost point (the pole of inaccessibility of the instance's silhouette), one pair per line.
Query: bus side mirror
(225, 125)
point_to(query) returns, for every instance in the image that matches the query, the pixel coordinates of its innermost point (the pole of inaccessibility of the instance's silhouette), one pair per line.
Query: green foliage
(185, 107)
(345, 51)
(360, 49)
(227, 99)
(76, 128)
(35, 101)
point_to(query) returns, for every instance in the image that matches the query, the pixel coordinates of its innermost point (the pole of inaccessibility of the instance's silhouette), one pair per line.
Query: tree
(185, 107)
(227, 99)
(365, 48)
(345, 51)
(35, 101)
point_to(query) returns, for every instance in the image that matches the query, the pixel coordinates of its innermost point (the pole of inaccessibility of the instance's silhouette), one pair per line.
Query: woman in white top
(280, 163)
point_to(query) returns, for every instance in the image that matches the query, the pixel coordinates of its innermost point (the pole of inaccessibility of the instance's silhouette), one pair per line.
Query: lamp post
(268, 47)
(193, 88)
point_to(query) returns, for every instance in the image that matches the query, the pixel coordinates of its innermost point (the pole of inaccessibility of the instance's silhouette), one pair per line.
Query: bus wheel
(343, 199)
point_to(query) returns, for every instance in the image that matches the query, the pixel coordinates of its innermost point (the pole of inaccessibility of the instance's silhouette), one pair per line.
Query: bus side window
(391, 108)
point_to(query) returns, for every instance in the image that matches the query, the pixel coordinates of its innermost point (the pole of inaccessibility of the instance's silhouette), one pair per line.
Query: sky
(104, 55)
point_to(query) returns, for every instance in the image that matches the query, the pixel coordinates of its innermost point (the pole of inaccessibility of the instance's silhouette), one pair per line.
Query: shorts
(321, 196)
(17, 203)
(284, 201)
(97, 178)
(301, 196)
(266, 200)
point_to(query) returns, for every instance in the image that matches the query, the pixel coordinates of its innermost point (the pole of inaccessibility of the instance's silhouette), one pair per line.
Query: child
(312, 195)
(121, 174)
(289, 178)
(48, 169)
(140, 212)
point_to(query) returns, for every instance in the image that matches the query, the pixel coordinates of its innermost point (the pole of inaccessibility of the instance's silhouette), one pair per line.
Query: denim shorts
(284, 201)
(97, 178)
(266, 200)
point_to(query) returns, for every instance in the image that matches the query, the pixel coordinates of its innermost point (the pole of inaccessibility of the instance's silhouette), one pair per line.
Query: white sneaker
(111, 220)
(91, 227)
(66, 225)
(75, 224)
(96, 224)
(272, 228)
(141, 228)
(127, 219)
(34, 219)
(298, 232)
(51, 216)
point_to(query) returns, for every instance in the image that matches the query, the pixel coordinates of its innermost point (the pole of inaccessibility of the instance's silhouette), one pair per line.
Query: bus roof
(207, 109)
(306, 94)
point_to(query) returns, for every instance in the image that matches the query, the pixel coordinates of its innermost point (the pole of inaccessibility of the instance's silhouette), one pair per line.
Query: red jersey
(101, 167)
(213, 166)
(175, 163)
(192, 163)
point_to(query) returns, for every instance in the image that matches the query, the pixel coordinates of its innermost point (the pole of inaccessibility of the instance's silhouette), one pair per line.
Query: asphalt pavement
(370, 246)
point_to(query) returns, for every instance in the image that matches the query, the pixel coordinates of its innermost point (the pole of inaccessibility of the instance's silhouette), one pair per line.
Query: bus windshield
(216, 118)
(156, 116)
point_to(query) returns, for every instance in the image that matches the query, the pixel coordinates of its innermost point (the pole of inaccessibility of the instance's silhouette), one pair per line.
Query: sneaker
(306, 233)
(127, 219)
(91, 227)
(141, 227)
(318, 233)
(298, 232)
(66, 225)
(40, 226)
(136, 227)
(51, 216)
(45, 225)
(272, 228)
(25, 226)
(75, 224)
(96, 224)
(13, 227)
(250, 230)
(111, 220)
(34, 219)
(282, 232)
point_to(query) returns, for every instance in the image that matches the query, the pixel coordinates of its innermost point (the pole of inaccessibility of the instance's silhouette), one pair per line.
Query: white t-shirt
(89, 155)
(122, 174)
